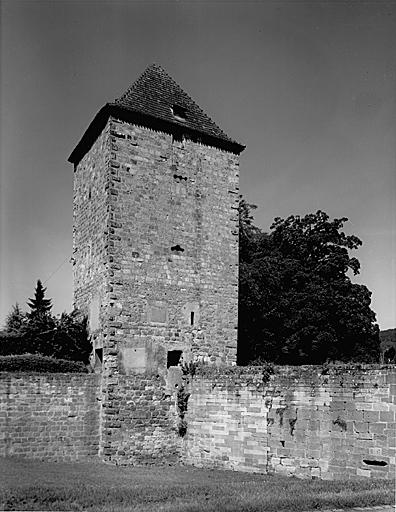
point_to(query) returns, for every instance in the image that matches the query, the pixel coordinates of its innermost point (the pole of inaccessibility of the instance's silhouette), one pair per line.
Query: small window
(177, 248)
(192, 317)
(98, 357)
(179, 112)
(173, 358)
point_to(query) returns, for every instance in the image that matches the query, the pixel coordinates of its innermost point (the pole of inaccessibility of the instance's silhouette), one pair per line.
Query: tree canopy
(297, 304)
(15, 319)
(39, 332)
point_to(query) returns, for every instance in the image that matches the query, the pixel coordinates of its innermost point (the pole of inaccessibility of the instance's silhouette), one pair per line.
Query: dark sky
(309, 87)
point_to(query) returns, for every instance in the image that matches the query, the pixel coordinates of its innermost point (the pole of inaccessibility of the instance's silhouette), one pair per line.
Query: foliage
(15, 319)
(388, 336)
(182, 404)
(12, 343)
(70, 339)
(388, 345)
(297, 305)
(39, 332)
(41, 364)
(39, 305)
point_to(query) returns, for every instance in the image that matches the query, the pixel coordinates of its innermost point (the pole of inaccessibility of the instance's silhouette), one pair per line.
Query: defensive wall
(308, 421)
(49, 416)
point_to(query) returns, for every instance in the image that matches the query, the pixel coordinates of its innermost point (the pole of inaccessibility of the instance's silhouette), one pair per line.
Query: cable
(56, 270)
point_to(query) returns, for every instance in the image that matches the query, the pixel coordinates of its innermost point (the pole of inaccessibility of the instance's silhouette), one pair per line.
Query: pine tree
(40, 306)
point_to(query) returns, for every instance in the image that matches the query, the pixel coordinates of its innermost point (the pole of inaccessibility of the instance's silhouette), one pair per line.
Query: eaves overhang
(178, 130)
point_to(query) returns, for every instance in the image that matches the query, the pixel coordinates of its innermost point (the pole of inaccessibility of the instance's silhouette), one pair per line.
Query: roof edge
(90, 135)
(112, 109)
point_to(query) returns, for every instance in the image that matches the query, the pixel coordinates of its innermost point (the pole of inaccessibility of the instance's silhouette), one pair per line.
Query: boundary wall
(49, 416)
(307, 421)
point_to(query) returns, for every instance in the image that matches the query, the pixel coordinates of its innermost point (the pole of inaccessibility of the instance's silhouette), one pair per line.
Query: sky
(308, 86)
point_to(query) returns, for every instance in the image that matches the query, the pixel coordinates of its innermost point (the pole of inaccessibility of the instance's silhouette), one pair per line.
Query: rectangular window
(173, 358)
(98, 357)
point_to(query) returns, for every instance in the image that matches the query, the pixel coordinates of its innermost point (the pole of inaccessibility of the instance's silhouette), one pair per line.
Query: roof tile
(155, 92)
(150, 101)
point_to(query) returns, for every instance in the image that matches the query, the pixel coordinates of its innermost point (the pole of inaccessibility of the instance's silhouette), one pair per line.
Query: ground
(35, 485)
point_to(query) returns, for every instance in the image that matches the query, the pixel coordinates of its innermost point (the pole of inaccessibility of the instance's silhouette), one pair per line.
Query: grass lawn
(34, 485)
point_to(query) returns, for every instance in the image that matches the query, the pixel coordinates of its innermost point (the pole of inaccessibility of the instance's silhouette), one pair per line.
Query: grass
(35, 485)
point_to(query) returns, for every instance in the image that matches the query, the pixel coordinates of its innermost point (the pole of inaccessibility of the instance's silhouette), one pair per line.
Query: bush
(40, 364)
(12, 343)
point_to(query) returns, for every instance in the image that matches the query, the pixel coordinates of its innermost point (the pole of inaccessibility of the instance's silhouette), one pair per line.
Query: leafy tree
(297, 304)
(70, 339)
(388, 345)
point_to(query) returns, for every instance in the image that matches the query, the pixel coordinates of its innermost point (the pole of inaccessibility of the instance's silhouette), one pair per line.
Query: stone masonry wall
(51, 416)
(91, 236)
(173, 250)
(311, 422)
(140, 422)
(305, 421)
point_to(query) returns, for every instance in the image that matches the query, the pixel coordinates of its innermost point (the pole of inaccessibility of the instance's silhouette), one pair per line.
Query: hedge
(12, 344)
(40, 364)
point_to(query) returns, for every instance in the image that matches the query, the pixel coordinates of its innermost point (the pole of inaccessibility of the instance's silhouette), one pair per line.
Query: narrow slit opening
(177, 248)
(375, 462)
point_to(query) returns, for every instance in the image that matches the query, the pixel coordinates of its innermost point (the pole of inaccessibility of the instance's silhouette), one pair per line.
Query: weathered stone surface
(140, 422)
(156, 245)
(53, 417)
(304, 422)
(301, 422)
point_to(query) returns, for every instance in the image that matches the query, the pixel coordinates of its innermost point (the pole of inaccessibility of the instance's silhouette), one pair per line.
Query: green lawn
(34, 485)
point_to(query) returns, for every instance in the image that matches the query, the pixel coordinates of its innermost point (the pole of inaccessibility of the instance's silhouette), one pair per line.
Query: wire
(56, 270)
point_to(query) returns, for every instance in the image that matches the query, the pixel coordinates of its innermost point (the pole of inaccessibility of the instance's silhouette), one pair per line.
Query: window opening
(173, 358)
(98, 357)
(177, 248)
(179, 112)
(192, 317)
(375, 462)
(179, 178)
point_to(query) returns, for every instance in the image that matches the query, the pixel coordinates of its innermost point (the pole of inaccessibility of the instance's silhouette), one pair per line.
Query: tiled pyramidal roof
(155, 100)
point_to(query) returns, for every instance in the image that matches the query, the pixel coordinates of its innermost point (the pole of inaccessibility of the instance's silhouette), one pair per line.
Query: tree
(388, 345)
(41, 323)
(15, 319)
(39, 332)
(297, 304)
(70, 339)
(40, 306)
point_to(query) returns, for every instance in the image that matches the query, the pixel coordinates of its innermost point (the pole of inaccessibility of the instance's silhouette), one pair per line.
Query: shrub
(40, 364)
(12, 343)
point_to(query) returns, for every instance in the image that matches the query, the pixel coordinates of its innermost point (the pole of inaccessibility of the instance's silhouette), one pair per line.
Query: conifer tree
(39, 305)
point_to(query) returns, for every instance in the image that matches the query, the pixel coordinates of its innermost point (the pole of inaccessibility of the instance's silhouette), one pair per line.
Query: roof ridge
(191, 98)
(151, 101)
(162, 73)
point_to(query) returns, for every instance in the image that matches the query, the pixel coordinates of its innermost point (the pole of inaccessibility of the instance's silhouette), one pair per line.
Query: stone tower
(156, 230)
